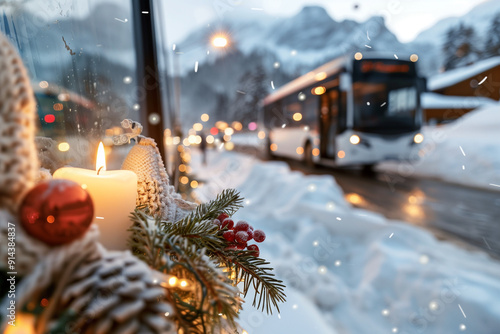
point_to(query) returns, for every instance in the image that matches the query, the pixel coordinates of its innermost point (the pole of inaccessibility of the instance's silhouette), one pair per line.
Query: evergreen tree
(252, 88)
(460, 47)
(492, 47)
(221, 111)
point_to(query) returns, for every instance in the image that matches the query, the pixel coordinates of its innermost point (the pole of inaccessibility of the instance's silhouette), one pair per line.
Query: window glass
(311, 112)
(385, 107)
(81, 60)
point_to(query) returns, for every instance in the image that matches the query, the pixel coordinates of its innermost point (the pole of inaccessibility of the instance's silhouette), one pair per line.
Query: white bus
(357, 110)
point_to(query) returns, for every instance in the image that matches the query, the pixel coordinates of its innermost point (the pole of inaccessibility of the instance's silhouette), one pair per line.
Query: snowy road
(471, 214)
(448, 210)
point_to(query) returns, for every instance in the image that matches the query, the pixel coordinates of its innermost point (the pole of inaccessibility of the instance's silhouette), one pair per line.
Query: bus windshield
(388, 106)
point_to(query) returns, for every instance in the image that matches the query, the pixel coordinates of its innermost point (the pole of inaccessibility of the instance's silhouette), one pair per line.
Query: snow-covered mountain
(479, 18)
(300, 42)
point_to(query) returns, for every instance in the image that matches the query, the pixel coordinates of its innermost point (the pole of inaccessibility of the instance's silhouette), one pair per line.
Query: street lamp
(219, 41)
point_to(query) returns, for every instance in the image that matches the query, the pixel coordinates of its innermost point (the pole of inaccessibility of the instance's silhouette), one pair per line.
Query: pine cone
(114, 292)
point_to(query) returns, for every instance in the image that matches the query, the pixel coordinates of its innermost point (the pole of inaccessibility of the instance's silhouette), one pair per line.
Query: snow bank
(466, 151)
(439, 101)
(247, 139)
(348, 270)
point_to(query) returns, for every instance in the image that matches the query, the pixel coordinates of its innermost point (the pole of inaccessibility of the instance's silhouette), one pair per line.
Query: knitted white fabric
(112, 292)
(18, 160)
(153, 187)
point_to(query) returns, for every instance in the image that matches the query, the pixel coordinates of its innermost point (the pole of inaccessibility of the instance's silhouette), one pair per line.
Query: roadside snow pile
(466, 151)
(247, 139)
(347, 270)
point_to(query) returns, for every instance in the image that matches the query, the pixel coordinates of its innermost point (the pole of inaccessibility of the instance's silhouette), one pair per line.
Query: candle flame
(100, 164)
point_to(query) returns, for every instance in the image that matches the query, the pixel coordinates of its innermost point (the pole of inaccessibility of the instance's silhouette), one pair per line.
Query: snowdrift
(348, 270)
(466, 151)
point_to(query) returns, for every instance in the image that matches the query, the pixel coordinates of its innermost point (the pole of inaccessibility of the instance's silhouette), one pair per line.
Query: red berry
(229, 235)
(241, 226)
(228, 222)
(232, 247)
(259, 235)
(250, 234)
(217, 222)
(250, 227)
(255, 250)
(241, 246)
(241, 237)
(222, 216)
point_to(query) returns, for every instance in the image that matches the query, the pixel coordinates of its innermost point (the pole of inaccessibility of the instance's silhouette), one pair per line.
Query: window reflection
(81, 59)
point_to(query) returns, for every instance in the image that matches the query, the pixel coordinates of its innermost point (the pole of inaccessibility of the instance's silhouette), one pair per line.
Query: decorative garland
(185, 260)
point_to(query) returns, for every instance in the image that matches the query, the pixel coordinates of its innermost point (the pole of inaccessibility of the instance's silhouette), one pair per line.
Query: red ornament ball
(57, 212)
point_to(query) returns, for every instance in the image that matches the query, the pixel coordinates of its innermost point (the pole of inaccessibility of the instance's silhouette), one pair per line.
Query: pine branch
(214, 293)
(144, 240)
(197, 310)
(228, 201)
(179, 249)
(200, 230)
(254, 271)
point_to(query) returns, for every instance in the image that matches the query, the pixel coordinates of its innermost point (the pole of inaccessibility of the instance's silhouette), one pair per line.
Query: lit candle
(114, 194)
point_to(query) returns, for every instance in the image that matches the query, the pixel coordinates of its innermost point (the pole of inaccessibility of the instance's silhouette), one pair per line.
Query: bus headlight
(418, 138)
(355, 140)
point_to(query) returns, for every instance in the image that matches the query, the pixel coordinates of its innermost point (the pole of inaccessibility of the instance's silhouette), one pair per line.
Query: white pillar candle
(114, 195)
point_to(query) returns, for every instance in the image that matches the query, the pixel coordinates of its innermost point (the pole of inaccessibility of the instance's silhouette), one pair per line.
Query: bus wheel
(308, 155)
(368, 169)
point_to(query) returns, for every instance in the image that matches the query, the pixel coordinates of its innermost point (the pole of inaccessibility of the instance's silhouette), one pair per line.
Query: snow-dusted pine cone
(18, 160)
(153, 187)
(114, 292)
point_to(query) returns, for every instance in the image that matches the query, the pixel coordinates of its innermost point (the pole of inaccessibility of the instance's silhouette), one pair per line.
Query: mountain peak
(314, 11)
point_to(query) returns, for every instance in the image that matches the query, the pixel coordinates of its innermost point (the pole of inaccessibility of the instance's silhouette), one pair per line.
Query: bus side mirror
(345, 82)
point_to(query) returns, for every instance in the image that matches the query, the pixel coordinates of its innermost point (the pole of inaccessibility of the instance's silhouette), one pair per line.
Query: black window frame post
(148, 75)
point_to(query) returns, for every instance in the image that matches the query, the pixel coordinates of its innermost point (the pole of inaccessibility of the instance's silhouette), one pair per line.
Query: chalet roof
(452, 77)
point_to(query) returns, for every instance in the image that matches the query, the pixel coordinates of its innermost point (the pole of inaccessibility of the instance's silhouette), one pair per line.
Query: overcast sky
(406, 18)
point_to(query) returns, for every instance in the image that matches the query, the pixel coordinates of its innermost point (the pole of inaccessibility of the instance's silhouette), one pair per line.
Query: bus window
(342, 117)
(385, 97)
(325, 123)
(294, 114)
(402, 101)
(329, 109)
(274, 116)
(311, 113)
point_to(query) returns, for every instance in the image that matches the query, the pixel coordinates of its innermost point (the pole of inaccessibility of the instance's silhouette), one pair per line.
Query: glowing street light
(219, 41)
